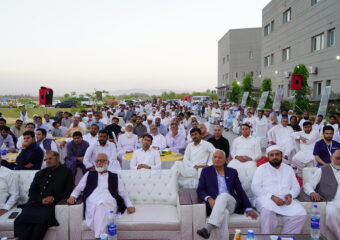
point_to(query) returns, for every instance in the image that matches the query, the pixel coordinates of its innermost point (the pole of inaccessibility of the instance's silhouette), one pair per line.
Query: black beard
(275, 164)
(306, 118)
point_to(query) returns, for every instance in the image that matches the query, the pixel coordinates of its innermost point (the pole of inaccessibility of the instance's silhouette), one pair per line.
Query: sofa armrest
(194, 197)
(198, 213)
(76, 219)
(184, 196)
(62, 216)
(184, 211)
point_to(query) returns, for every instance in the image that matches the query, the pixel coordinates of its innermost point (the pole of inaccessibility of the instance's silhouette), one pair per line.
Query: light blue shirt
(222, 186)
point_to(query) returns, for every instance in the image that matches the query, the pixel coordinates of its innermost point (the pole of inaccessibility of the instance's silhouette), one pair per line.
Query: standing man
(49, 186)
(275, 187)
(220, 187)
(324, 148)
(261, 127)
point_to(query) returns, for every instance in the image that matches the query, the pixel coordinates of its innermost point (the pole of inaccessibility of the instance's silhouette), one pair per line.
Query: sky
(82, 45)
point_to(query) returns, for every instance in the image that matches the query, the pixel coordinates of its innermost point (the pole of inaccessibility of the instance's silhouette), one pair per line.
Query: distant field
(12, 114)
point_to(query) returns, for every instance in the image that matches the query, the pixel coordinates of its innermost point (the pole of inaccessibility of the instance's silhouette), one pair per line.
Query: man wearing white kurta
(127, 141)
(307, 139)
(245, 150)
(325, 186)
(146, 157)
(159, 141)
(281, 135)
(275, 186)
(92, 136)
(102, 146)
(260, 128)
(104, 196)
(198, 155)
(9, 189)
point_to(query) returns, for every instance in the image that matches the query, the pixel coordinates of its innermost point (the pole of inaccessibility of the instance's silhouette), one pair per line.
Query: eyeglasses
(100, 160)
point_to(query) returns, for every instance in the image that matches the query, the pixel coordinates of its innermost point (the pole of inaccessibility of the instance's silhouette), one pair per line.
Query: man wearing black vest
(46, 144)
(102, 191)
(325, 186)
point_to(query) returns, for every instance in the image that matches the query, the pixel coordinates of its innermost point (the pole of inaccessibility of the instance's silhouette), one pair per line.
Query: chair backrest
(151, 186)
(308, 173)
(25, 179)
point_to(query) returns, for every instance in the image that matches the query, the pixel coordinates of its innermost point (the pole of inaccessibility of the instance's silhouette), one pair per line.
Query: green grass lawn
(12, 114)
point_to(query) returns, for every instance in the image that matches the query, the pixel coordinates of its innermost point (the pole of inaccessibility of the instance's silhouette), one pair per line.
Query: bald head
(203, 128)
(336, 159)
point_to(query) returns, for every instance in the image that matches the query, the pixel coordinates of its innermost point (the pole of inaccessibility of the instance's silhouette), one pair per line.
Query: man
(219, 141)
(228, 118)
(333, 122)
(17, 129)
(114, 128)
(165, 119)
(56, 130)
(97, 121)
(260, 128)
(76, 150)
(126, 142)
(194, 124)
(45, 143)
(204, 132)
(49, 186)
(159, 141)
(140, 129)
(174, 140)
(249, 119)
(307, 139)
(161, 128)
(281, 135)
(146, 157)
(66, 120)
(245, 150)
(6, 139)
(148, 123)
(325, 186)
(221, 189)
(28, 127)
(75, 128)
(197, 155)
(48, 122)
(9, 186)
(324, 148)
(304, 119)
(103, 191)
(275, 187)
(3, 123)
(40, 124)
(92, 136)
(102, 146)
(187, 120)
(88, 120)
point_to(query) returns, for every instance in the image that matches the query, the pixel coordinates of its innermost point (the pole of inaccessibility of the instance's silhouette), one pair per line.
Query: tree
(301, 95)
(267, 86)
(235, 92)
(247, 86)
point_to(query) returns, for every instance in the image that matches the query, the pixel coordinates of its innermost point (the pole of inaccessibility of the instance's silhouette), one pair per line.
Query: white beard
(129, 134)
(337, 167)
(101, 169)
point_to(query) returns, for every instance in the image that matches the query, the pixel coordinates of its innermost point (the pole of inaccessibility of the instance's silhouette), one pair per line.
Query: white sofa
(160, 211)
(53, 233)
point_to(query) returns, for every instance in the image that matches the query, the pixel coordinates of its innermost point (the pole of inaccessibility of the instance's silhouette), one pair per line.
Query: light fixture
(260, 76)
(338, 57)
(276, 72)
(238, 83)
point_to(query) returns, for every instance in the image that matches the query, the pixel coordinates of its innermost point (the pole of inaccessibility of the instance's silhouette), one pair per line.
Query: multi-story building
(302, 32)
(239, 53)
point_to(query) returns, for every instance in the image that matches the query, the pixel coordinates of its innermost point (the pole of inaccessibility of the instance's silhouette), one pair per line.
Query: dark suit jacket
(208, 186)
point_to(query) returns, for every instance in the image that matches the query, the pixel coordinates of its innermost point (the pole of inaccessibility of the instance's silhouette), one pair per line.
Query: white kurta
(100, 202)
(9, 188)
(242, 146)
(268, 181)
(90, 139)
(305, 154)
(150, 157)
(126, 144)
(282, 136)
(159, 141)
(261, 127)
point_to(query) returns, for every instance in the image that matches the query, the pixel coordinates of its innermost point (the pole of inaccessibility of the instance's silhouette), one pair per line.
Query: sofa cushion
(25, 179)
(8, 224)
(151, 186)
(148, 218)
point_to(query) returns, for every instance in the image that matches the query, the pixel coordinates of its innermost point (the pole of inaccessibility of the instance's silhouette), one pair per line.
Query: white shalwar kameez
(126, 143)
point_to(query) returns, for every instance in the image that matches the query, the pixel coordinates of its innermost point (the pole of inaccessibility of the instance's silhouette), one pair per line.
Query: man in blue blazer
(221, 189)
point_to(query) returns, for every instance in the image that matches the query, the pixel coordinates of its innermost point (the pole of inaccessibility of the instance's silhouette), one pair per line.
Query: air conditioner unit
(287, 74)
(312, 70)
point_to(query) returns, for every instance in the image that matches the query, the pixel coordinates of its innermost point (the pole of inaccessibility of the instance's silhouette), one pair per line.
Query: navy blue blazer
(208, 186)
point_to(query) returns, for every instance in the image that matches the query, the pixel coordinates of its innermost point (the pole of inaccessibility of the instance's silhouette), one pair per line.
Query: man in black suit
(221, 189)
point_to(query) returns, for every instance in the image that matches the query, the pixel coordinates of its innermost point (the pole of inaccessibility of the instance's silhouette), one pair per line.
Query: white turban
(272, 148)
(128, 125)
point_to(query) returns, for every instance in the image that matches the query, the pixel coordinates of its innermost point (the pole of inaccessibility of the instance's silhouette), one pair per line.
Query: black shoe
(203, 233)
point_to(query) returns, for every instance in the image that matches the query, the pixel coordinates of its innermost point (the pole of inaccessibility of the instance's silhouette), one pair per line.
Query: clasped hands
(279, 202)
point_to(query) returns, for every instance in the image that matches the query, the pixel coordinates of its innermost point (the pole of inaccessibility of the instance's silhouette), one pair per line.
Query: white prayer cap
(272, 148)
(77, 115)
(149, 118)
(90, 113)
(128, 125)
(291, 111)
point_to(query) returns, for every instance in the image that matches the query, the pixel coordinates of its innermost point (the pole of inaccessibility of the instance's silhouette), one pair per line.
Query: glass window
(331, 37)
(272, 26)
(317, 88)
(318, 42)
(287, 16)
(251, 56)
(315, 2)
(272, 59)
(328, 82)
(286, 54)
(266, 30)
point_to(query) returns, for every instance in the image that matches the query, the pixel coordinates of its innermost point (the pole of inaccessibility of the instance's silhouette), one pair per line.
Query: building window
(236, 75)
(251, 55)
(266, 61)
(328, 82)
(272, 59)
(315, 2)
(331, 37)
(226, 76)
(318, 42)
(287, 16)
(317, 88)
(223, 60)
(269, 60)
(286, 54)
(227, 57)
(272, 26)
(266, 30)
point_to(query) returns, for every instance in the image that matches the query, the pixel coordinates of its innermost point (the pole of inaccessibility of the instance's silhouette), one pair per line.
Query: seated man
(275, 186)
(103, 191)
(324, 148)
(6, 139)
(245, 150)
(102, 146)
(9, 189)
(174, 140)
(140, 129)
(46, 144)
(75, 153)
(205, 135)
(197, 155)
(219, 141)
(75, 127)
(162, 129)
(221, 189)
(49, 186)
(307, 139)
(146, 157)
(325, 186)
(56, 131)
(127, 142)
(17, 129)
(159, 141)
(113, 128)
(92, 136)
(28, 127)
